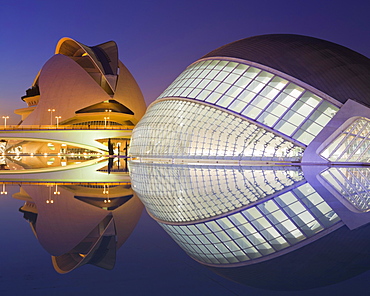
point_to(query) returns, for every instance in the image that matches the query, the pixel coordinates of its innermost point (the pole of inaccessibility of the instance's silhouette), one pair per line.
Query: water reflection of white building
(244, 217)
(80, 224)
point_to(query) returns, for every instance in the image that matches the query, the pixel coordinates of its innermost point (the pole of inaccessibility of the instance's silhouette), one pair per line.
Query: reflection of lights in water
(50, 200)
(4, 190)
(56, 190)
(281, 215)
(106, 191)
(50, 161)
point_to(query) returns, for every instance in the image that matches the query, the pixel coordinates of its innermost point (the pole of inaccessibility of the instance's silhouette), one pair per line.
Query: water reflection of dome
(338, 256)
(230, 159)
(306, 226)
(81, 224)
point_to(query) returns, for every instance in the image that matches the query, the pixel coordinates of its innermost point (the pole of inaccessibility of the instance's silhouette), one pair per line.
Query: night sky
(156, 40)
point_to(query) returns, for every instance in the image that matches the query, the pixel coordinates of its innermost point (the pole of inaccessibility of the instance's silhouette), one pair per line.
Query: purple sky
(157, 40)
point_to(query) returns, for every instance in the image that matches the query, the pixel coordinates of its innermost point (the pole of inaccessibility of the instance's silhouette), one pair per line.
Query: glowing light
(51, 115)
(5, 118)
(106, 191)
(105, 121)
(4, 190)
(57, 118)
(56, 190)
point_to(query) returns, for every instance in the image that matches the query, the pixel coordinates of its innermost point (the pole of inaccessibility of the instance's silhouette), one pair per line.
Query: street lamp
(109, 112)
(51, 115)
(105, 121)
(5, 118)
(58, 117)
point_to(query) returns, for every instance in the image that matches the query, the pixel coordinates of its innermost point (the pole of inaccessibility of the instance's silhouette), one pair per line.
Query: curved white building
(80, 83)
(264, 98)
(83, 101)
(232, 158)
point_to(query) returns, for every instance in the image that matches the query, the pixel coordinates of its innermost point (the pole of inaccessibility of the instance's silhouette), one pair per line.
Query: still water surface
(147, 262)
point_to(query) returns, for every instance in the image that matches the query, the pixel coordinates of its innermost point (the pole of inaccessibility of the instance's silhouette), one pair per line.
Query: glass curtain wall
(177, 128)
(256, 94)
(352, 145)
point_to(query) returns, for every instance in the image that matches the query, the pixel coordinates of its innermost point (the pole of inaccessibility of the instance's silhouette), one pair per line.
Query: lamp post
(109, 112)
(105, 121)
(51, 115)
(5, 118)
(58, 117)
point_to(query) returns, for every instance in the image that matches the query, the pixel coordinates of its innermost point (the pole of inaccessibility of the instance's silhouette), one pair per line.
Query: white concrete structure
(234, 158)
(264, 98)
(83, 99)
(80, 83)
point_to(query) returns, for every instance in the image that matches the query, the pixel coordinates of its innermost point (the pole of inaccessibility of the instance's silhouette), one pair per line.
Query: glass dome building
(264, 98)
(256, 151)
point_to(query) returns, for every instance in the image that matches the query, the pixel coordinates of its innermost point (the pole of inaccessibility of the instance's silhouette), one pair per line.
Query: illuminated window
(176, 128)
(352, 145)
(256, 94)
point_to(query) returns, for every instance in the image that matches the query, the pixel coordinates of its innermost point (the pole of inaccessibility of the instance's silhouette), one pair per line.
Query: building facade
(273, 97)
(80, 83)
(234, 158)
(83, 101)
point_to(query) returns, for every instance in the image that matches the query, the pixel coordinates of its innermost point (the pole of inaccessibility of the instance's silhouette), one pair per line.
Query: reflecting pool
(207, 229)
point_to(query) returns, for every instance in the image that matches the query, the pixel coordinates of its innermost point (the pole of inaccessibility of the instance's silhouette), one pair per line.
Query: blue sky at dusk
(157, 40)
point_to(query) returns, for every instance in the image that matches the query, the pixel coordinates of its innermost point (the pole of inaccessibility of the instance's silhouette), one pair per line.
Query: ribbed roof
(334, 69)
